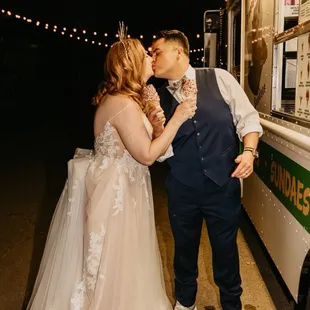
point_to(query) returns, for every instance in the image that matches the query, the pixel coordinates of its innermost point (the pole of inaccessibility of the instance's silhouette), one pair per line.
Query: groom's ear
(180, 51)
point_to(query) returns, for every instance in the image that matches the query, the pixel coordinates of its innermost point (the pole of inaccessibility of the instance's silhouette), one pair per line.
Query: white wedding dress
(102, 251)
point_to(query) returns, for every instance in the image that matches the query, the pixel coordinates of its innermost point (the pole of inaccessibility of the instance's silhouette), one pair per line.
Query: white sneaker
(178, 306)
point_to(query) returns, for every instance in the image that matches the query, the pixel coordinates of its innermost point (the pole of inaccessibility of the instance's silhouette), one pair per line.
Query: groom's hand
(157, 119)
(245, 163)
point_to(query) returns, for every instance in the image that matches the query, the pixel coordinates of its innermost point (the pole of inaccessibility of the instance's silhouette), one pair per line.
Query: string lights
(83, 35)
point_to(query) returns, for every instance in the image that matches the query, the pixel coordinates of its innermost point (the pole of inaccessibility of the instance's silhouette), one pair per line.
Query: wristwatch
(252, 150)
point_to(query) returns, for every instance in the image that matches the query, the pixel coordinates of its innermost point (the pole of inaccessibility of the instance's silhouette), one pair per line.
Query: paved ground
(33, 172)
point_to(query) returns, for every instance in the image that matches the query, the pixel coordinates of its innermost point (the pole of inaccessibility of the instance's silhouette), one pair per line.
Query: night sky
(47, 79)
(141, 17)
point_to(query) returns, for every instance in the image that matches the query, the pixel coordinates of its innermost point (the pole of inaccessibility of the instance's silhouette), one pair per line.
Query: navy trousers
(220, 207)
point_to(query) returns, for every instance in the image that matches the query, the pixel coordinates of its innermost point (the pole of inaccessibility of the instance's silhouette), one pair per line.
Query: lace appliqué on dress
(109, 151)
(106, 143)
(93, 258)
(91, 269)
(108, 147)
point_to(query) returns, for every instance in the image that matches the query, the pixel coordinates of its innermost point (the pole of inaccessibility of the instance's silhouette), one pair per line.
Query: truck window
(291, 67)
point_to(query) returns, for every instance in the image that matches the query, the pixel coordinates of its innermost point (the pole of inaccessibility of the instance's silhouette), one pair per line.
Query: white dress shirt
(245, 116)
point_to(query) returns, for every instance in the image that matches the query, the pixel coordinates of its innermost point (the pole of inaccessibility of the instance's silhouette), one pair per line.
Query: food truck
(265, 44)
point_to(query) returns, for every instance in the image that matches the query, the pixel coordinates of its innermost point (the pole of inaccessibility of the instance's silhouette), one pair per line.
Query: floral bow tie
(176, 85)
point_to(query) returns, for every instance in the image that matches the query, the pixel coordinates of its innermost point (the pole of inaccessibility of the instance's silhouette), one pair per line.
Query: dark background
(48, 79)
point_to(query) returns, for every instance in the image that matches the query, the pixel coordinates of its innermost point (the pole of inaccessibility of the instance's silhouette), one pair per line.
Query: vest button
(195, 121)
(198, 134)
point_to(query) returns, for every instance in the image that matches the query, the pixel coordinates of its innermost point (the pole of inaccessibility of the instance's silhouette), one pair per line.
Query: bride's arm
(134, 135)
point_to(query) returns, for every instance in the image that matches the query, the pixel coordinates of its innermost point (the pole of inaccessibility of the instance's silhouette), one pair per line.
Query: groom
(203, 182)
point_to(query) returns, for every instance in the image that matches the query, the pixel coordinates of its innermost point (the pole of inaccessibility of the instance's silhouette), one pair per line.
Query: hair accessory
(122, 35)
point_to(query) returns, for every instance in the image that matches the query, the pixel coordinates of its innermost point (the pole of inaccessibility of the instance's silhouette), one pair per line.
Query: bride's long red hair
(123, 72)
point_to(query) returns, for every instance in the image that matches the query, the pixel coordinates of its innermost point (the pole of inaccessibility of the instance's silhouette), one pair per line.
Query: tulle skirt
(101, 251)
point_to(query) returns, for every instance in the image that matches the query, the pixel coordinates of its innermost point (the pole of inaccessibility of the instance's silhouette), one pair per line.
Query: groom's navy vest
(206, 145)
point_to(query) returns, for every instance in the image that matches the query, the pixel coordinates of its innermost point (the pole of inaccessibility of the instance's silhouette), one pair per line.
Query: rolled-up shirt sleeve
(245, 116)
(169, 153)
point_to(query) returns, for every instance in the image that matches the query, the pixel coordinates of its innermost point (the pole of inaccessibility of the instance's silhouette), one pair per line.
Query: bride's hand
(186, 110)
(157, 119)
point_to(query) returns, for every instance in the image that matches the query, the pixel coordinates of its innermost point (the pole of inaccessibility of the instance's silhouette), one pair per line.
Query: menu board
(304, 12)
(303, 84)
(291, 8)
(303, 65)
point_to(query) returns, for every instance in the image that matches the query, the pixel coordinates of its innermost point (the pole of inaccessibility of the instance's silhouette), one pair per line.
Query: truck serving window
(291, 63)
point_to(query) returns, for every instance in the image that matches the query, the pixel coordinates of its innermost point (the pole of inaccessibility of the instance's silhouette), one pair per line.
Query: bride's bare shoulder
(115, 105)
(119, 100)
(118, 103)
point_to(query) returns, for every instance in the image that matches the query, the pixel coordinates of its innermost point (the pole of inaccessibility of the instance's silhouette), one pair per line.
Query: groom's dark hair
(174, 36)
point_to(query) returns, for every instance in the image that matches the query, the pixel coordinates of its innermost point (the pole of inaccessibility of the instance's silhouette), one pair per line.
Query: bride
(102, 252)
